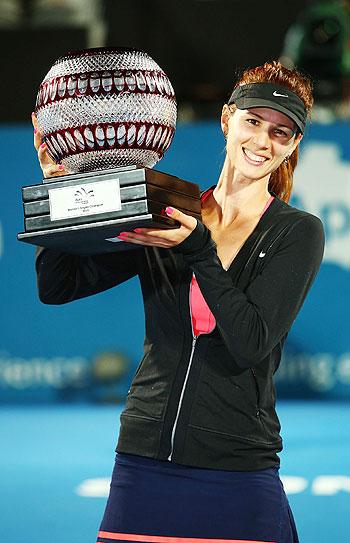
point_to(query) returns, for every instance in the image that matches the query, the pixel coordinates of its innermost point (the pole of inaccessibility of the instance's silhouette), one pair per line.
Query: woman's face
(258, 140)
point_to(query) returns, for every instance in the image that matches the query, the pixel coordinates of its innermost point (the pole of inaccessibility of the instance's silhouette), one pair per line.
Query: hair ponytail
(281, 180)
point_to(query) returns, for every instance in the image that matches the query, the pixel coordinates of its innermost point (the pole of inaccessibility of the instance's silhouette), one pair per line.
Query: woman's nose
(262, 139)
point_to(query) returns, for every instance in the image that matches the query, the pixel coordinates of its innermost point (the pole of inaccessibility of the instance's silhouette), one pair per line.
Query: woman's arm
(252, 323)
(64, 277)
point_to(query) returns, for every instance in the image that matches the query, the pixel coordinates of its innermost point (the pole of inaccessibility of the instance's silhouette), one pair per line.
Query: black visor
(273, 96)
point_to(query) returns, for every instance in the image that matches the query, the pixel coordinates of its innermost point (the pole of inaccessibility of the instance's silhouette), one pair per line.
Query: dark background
(200, 44)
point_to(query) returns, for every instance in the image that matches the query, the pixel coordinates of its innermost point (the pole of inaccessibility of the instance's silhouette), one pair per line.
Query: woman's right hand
(48, 166)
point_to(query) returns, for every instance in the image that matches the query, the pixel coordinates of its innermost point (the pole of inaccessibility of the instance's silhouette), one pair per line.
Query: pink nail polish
(122, 235)
(61, 167)
(35, 130)
(169, 210)
(138, 230)
(42, 146)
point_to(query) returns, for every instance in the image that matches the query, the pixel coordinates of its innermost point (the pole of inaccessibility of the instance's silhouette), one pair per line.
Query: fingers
(162, 238)
(37, 133)
(34, 121)
(54, 170)
(47, 164)
(145, 239)
(40, 146)
(44, 157)
(158, 234)
(37, 139)
(185, 220)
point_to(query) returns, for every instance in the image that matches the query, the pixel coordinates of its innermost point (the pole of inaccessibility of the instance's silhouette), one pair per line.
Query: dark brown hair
(281, 180)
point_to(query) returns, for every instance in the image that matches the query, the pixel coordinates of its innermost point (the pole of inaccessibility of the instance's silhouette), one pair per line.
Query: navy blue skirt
(162, 502)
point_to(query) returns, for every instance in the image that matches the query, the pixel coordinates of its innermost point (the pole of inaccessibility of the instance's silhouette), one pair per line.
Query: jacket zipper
(257, 392)
(194, 341)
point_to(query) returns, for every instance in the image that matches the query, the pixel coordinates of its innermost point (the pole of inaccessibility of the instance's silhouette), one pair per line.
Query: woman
(199, 439)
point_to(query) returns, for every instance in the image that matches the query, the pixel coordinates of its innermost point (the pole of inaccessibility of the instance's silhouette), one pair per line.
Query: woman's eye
(253, 121)
(281, 133)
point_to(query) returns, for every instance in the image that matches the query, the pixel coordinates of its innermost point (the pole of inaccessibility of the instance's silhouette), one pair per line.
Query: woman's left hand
(163, 238)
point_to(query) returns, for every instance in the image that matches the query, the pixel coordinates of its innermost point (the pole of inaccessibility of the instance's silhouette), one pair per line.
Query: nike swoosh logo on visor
(275, 93)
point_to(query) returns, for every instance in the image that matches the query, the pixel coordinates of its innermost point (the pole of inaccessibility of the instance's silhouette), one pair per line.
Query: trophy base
(94, 238)
(94, 215)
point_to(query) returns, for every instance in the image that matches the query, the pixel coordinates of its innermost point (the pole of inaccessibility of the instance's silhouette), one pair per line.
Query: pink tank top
(203, 321)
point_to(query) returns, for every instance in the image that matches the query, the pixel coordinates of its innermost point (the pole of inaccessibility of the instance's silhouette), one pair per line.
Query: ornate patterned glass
(105, 108)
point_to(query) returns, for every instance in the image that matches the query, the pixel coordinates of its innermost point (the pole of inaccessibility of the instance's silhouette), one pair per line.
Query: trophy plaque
(108, 115)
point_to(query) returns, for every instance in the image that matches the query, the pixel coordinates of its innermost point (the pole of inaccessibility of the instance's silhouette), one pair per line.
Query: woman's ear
(225, 116)
(297, 140)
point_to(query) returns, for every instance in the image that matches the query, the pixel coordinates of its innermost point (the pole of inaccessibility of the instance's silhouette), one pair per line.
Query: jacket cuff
(197, 244)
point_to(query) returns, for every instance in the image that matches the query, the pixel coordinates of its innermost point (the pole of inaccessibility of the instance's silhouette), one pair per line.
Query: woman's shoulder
(298, 222)
(294, 214)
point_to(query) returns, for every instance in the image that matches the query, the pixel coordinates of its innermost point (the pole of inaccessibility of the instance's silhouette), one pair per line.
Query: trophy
(108, 115)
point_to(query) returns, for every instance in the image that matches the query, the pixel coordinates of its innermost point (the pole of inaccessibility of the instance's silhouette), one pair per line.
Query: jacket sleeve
(62, 277)
(251, 323)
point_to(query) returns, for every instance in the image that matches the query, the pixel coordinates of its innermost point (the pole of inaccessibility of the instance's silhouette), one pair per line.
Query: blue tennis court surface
(56, 462)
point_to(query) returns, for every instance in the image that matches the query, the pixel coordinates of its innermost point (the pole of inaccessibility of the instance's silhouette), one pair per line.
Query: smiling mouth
(253, 158)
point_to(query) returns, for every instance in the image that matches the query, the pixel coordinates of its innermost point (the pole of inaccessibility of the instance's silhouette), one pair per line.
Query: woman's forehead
(270, 115)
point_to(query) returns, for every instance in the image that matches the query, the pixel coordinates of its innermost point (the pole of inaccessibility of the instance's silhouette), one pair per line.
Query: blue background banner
(50, 353)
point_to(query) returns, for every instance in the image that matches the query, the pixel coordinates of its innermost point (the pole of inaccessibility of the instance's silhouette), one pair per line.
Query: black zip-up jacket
(206, 402)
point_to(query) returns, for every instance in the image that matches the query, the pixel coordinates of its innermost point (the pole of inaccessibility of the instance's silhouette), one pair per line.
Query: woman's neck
(236, 196)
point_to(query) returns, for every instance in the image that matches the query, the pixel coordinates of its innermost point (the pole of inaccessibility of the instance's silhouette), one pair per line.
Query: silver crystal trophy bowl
(104, 108)
(108, 115)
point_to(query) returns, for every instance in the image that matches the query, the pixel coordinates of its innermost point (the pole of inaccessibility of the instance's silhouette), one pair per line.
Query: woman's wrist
(197, 244)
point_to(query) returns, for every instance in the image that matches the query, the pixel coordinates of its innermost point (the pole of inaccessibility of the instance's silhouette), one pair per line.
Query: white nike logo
(262, 255)
(275, 93)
